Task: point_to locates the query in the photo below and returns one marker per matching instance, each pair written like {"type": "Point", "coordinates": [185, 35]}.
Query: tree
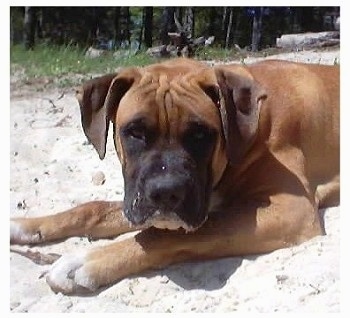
{"type": "Point", "coordinates": [29, 24]}
{"type": "Point", "coordinates": [124, 26]}
{"type": "Point", "coordinates": [148, 23]}
{"type": "Point", "coordinates": [212, 20]}
{"type": "Point", "coordinates": [121, 27]}
{"type": "Point", "coordinates": [93, 26]}
{"type": "Point", "coordinates": [188, 22]}
{"type": "Point", "coordinates": [167, 24]}
{"type": "Point", "coordinates": [117, 36]}
{"type": "Point", "coordinates": [237, 28]}
{"type": "Point", "coordinates": [257, 28]}
{"type": "Point", "coordinates": [229, 26]}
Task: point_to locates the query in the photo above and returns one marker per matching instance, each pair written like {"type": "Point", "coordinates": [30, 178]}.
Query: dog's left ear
{"type": "Point", "coordinates": [239, 98]}
{"type": "Point", "coordinates": [99, 99]}
{"type": "Point", "coordinates": [240, 102]}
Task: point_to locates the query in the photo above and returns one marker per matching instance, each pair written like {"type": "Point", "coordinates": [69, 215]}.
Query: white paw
{"type": "Point", "coordinates": [18, 235]}
{"type": "Point", "coordinates": [69, 276]}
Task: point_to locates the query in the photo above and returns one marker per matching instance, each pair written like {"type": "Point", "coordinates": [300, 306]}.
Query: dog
{"type": "Point", "coordinates": [217, 162]}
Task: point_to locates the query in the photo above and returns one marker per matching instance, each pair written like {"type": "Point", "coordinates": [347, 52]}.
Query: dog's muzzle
{"type": "Point", "coordinates": [163, 203]}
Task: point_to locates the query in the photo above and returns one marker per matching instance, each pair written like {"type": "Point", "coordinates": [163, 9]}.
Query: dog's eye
{"type": "Point", "coordinates": [198, 133]}
{"type": "Point", "coordinates": [137, 137]}
{"type": "Point", "coordinates": [137, 132]}
{"type": "Point", "coordinates": [199, 139]}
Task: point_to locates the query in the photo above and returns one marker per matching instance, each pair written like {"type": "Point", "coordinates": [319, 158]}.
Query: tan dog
{"type": "Point", "coordinates": [232, 159]}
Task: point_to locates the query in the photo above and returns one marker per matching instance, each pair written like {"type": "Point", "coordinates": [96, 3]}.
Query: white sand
{"type": "Point", "coordinates": [52, 169]}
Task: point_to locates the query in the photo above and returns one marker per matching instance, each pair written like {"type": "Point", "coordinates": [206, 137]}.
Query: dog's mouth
{"type": "Point", "coordinates": [172, 199]}
{"type": "Point", "coordinates": [170, 221]}
{"type": "Point", "coordinates": [162, 220]}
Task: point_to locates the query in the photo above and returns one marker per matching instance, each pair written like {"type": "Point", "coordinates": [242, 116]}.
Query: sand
{"type": "Point", "coordinates": [52, 169]}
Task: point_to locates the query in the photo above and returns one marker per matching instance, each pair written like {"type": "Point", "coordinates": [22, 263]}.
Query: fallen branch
{"type": "Point", "coordinates": [37, 257]}
{"type": "Point", "coordinates": [308, 40]}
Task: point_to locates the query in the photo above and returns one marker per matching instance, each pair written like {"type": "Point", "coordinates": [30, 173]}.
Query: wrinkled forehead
{"type": "Point", "coordinates": [176, 94]}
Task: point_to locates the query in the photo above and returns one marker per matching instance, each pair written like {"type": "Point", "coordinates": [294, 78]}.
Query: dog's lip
{"type": "Point", "coordinates": [167, 220]}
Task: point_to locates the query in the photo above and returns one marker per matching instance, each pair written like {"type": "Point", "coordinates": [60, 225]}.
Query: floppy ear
{"type": "Point", "coordinates": [91, 97]}
{"type": "Point", "coordinates": [240, 101]}
{"type": "Point", "coordinates": [99, 99]}
{"type": "Point", "coordinates": [238, 98]}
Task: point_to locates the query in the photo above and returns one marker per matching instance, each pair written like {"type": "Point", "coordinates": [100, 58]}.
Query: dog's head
{"type": "Point", "coordinates": [176, 127]}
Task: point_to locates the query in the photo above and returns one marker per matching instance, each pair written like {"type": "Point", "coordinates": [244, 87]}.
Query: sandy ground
{"type": "Point", "coordinates": [51, 170]}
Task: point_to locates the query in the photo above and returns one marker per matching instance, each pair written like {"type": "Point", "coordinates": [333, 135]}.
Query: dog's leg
{"type": "Point", "coordinates": [235, 232]}
{"type": "Point", "coordinates": [97, 219]}
{"type": "Point", "coordinates": [328, 194]}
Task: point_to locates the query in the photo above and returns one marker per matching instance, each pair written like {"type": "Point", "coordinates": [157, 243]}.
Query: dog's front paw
{"type": "Point", "coordinates": [69, 275]}
{"type": "Point", "coordinates": [24, 231]}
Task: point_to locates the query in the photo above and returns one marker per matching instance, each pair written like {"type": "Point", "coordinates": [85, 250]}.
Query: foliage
{"type": "Point", "coordinates": [83, 25]}
{"type": "Point", "coordinates": [63, 34]}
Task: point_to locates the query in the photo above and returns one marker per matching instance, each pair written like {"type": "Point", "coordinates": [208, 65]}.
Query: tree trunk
{"type": "Point", "coordinates": [211, 25]}
{"type": "Point", "coordinates": [229, 26]}
{"type": "Point", "coordinates": [148, 26]}
{"type": "Point", "coordinates": [167, 22]}
{"type": "Point", "coordinates": [39, 23]}
{"type": "Point", "coordinates": [117, 38]}
{"type": "Point", "coordinates": [141, 30]}
{"type": "Point", "coordinates": [29, 27]}
{"type": "Point", "coordinates": [223, 21]}
{"type": "Point", "coordinates": [126, 29]}
{"type": "Point", "coordinates": [257, 29]}
{"type": "Point", "coordinates": [93, 27]}
{"type": "Point", "coordinates": [179, 14]}
{"type": "Point", "coordinates": [237, 29]}
{"type": "Point", "coordinates": [121, 27]}
{"type": "Point", "coordinates": [296, 26]}
{"type": "Point", "coordinates": [188, 22]}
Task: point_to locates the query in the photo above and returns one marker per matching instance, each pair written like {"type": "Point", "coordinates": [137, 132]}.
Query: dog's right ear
{"type": "Point", "coordinates": [99, 99]}
{"type": "Point", "coordinates": [91, 97]}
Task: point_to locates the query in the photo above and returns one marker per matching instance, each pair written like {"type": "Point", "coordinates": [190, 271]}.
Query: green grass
{"type": "Point", "coordinates": [60, 62]}
{"type": "Point", "coordinates": [214, 53]}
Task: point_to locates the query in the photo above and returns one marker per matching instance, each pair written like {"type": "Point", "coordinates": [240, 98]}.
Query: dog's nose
{"type": "Point", "coordinates": [166, 191]}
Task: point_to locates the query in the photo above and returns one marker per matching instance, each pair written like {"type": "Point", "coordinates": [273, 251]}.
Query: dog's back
{"type": "Point", "coordinates": [305, 111]}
